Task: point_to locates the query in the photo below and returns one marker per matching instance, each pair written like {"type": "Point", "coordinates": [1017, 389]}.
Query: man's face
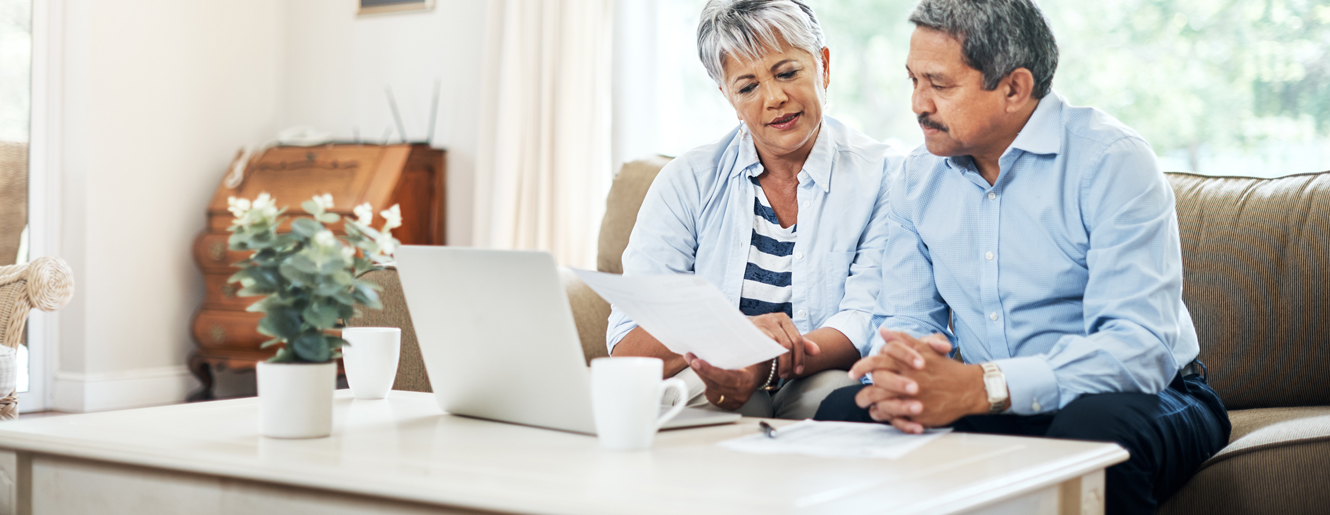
{"type": "Point", "coordinates": [957, 116]}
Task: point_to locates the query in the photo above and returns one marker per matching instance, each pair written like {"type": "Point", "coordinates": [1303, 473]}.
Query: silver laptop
{"type": "Point", "coordinates": [498, 339]}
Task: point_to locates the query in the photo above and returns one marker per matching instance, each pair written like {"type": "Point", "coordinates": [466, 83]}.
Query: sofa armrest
{"type": "Point", "coordinates": [590, 312]}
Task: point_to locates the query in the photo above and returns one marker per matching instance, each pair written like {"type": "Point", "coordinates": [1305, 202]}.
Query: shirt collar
{"type": "Point", "coordinates": [818, 164]}
{"type": "Point", "coordinates": [1042, 133]}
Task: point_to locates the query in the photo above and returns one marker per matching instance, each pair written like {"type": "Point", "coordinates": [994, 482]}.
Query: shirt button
{"type": "Point", "coordinates": [807, 203]}
{"type": "Point", "coordinates": [988, 256]}
{"type": "Point", "coordinates": [798, 255]}
{"type": "Point", "coordinates": [801, 314]}
{"type": "Point", "coordinates": [1035, 406]}
{"type": "Point", "coordinates": [993, 316]}
{"type": "Point", "coordinates": [992, 195]}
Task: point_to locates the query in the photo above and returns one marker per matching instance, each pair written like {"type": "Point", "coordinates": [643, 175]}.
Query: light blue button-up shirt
{"type": "Point", "coordinates": [1066, 272]}
{"type": "Point", "coordinates": [698, 218]}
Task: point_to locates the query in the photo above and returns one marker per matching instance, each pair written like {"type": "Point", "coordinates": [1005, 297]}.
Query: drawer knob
{"type": "Point", "coordinates": [217, 251]}
{"type": "Point", "coordinates": [218, 334]}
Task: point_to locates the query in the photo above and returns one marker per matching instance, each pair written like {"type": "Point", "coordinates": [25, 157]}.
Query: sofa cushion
{"type": "Point", "coordinates": [1256, 260]}
{"type": "Point", "coordinates": [621, 205]}
{"type": "Point", "coordinates": [590, 312]}
{"type": "Point", "coordinates": [1275, 463]}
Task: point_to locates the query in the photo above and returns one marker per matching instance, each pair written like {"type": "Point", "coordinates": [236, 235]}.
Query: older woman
{"type": "Point", "coordinates": [784, 214]}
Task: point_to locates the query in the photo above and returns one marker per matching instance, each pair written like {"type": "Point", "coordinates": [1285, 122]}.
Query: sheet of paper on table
{"type": "Point", "coordinates": [835, 440]}
{"type": "Point", "coordinates": [687, 314]}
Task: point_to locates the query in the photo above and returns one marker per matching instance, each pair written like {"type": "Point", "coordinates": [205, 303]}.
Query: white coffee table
{"type": "Point", "coordinates": [403, 455]}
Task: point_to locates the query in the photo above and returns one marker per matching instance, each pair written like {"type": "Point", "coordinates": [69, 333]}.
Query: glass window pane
{"type": "Point", "coordinates": [15, 109]}
{"type": "Point", "coordinates": [1216, 86]}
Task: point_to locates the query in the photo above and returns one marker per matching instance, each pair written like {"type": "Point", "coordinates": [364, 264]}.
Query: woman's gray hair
{"type": "Point", "coordinates": [997, 37]}
{"type": "Point", "coordinates": [746, 29]}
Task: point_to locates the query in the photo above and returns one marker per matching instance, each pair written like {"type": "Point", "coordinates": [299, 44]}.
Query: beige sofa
{"type": "Point", "coordinates": [1256, 255]}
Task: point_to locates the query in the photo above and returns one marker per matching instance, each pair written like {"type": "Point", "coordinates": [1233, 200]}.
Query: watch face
{"type": "Point", "coordinates": [995, 388]}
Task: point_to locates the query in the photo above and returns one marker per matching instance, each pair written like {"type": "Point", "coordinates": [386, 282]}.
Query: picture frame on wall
{"type": "Point", "coordinates": [392, 6]}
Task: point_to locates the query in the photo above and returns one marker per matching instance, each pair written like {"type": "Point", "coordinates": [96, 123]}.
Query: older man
{"type": "Point", "coordinates": [1045, 237]}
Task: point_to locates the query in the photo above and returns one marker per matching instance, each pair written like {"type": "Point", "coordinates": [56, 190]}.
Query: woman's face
{"type": "Point", "coordinates": [777, 97]}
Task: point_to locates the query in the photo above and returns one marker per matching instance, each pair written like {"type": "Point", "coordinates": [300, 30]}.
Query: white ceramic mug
{"type": "Point", "coordinates": [626, 397]}
{"type": "Point", "coordinates": [371, 359]}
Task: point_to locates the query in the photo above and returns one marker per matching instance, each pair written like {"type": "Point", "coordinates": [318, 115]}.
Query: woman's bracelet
{"type": "Point", "coordinates": [771, 376]}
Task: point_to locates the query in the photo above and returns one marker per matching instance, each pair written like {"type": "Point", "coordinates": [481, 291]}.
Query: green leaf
{"type": "Point", "coordinates": [320, 315]}
{"type": "Point", "coordinates": [281, 323]}
{"type": "Point", "coordinates": [298, 278]}
{"type": "Point", "coordinates": [337, 343]}
{"type": "Point", "coordinates": [343, 278]}
{"type": "Point", "coordinates": [258, 307]}
{"type": "Point", "coordinates": [370, 297]}
{"type": "Point", "coordinates": [312, 347]}
{"type": "Point", "coordinates": [344, 297]}
{"type": "Point", "coordinates": [329, 218]}
{"type": "Point", "coordinates": [303, 263]}
{"type": "Point", "coordinates": [270, 343]}
{"type": "Point", "coordinates": [311, 207]}
{"type": "Point", "coordinates": [284, 355]}
{"type": "Point", "coordinates": [306, 227]}
{"type": "Point", "coordinates": [346, 312]}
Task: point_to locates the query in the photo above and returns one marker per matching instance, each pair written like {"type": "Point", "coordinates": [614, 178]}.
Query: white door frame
{"type": "Point", "coordinates": [44, 173]}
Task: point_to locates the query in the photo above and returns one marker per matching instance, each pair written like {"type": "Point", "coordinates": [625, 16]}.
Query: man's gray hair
{"type": "Point", "coordinates": [746, 29]}
{"type": "Point", "coordinates": [997, 37]}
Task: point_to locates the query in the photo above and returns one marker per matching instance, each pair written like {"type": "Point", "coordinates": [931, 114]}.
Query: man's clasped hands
{"type": "Point", "coordinates": [916, 385]}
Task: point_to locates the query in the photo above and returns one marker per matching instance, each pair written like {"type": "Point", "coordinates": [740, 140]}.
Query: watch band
{"type": "Point", "coordinates": [770, 377]}
{"type": "Point", "coordinates": [995, 383]}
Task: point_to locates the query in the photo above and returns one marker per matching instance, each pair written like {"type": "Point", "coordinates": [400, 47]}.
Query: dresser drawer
{"type": "Point", "coordinates": [213, 254]}
{"type": "Point", "coordinates": [228, 329]}
{"type": "Point", "coordinates": [221, 295]}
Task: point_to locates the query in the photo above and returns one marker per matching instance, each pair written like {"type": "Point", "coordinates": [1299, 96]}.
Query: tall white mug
{"type": "Point", "coordinates": [371, 359]}
{"type": "Point", "coordinates": [626, 395]}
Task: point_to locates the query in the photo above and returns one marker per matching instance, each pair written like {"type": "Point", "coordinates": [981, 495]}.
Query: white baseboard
{"type": "Point", "coordinates": [104, 391]}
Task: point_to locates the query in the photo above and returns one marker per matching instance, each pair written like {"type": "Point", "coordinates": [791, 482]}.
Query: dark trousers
{"type": "Point", "coordinates": [1169, 434]}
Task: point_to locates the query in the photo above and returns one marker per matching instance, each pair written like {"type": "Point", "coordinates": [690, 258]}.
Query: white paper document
{"type": "Point", "coordinates": [835, 440]}
{"type": "Point", "coordinates": [687, 314]}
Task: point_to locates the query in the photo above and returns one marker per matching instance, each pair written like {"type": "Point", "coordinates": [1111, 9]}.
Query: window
{"type": "Point", "coordinates": [1220, 87]}
{"type": "Point", "coordinates": [15, 109]}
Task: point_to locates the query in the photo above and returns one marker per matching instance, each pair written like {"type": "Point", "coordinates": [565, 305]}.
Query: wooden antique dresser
{"type": "Point", "coordinates": [225, 335]}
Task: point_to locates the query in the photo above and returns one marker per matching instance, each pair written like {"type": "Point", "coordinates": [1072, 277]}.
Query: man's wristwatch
{"type": "Point", "coordinates": [996, 384]}
{"type": "Point", "coordinates": [769, 386]}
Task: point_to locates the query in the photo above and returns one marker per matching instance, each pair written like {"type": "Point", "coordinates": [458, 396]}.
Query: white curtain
{"type": "Point", "coordinates": [544, 149]}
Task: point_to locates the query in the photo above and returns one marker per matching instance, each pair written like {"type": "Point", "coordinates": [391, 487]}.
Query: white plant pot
{"type": "Point", "coordinates": [295, 399]}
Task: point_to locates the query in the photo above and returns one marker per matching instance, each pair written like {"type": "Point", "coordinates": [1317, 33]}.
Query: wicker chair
{"type": "Point", "coordinates": [46, 284]}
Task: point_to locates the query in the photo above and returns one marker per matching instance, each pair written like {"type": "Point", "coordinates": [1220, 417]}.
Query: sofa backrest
{"type": "Point", "coordinates": [621, 205]}
{"type": "Point", "coordinates": [1256, 278]}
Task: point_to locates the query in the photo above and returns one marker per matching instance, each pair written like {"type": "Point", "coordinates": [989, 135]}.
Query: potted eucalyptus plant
{"type": "Point", "coordinates": [307, 277]}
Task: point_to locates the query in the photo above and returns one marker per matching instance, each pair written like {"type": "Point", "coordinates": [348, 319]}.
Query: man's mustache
{"type": "Point", "coordinates": [926, 122]}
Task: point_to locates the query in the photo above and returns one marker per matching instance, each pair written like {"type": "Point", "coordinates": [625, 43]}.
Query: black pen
{"type": "Point", "coordinates": [767, 429]}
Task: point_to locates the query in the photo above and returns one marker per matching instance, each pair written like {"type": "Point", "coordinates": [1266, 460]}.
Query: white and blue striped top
{"type": "Point", "coordinates": [766, 286]}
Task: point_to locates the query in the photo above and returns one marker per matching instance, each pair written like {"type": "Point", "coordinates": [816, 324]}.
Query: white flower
{"type": "Point", "coordinates": [325, 239]}
{"type": "Point", "coordinates": [237, 206]}
{"type": "Point", "coordinates": [324, 201]}
{"type": "Point", "coordinates": [265, 204]}
{"type": "Point", "coordinates": [364, 214]}
{"type": "Point", "coordinates": [393, 215]}
{"type": "Point", "coordinates": [385, 243]}
{"type": "Point", "coordinates": [348, 254]}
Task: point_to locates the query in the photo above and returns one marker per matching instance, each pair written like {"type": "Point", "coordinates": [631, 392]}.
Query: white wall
{"type": "Point", "coordinates": [336, 66]}
{"type": "Point", "coordinates": [152, 99]}
{"type": "Point", "coordinates": [157, 95]}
